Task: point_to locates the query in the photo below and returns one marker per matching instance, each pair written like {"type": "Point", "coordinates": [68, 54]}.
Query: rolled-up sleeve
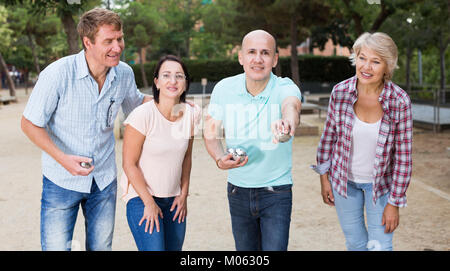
{"type": "Point", "coordinates": [327, 140]}
{"type": "Point", "coordinates": [402, 157]}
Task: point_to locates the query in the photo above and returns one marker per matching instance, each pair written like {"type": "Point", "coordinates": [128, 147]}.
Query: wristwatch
{"type": "Point", "coordinates": [217, 162]}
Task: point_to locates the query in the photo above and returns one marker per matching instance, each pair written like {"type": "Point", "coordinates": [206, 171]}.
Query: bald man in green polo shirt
{"type": "Point", "coordinates": [254, 108]}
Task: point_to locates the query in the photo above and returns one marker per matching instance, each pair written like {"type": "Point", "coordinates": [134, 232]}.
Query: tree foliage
{"type": "Point", "coordinates": [37, 32]}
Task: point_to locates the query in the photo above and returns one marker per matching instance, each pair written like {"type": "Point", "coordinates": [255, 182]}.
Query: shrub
{"type": "Point", "coordinates": [329, 69]}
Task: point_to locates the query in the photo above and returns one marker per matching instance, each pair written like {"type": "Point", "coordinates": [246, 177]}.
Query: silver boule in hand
{"type": "Point", "coordinates": [238, 154]}
{"type": "Point", "coordinates": [282, 137]}
{"type": "Point", "coordinates": [85, 164]}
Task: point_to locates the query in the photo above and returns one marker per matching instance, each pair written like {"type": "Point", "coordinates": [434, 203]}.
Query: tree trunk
{"type": "Point", "coordinates": [294, 55]}
{"type": "Point", "coordinates": [33, 52]}
{"type": "Point", "coordinates": [71, 31]}
{"type": "Point", "coordinates": [278, 68]}
{"type": "Point", "coordinates": [141, 60]}
{"type": "Point", "coordinates": [442, 48]}
{"type": "Point", "coordinates": [12, 88]}
{"type": "Point", "coordinates": [357, 18]}
{"type": "Point", "coordinates": [188, 46]}
{"type": "Point", "coordinates": [408, 68]}
{"type": "Point", "coordinates": [382, 16]}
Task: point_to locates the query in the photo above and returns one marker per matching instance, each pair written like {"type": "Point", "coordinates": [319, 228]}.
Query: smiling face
{"type": "Point", "coordinates": [171, 80]}
{"type": "Point", "coordinates": [370, 67]}
{"type": "Point", "coordinates": [107, 47]}
{"type": "Point", "coordinates": [258, 55]}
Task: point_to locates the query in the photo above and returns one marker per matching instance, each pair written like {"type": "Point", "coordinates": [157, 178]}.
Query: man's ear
{"type": "Point", "coordinates": [240, 57]}
{"type": "Point", "coordinates": [275, 61]}
{"type": "Point", "coordinates": [87, 42]}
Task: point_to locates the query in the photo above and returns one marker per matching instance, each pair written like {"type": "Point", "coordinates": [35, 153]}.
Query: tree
{"type": "Point", "coordinates": [297, 17]}
{"type": "Point", "coordinates": [217, 36]}
{"type": "Point", "coordinates": [66, 10]}
{"type": "Point", "coordinates": [410, 31]}
{"type": "Point", "coordinates": [287, 20]}
{"type": "Point", "coordinates": [366, 16]}
{"type": "Point", "coordinates": [5, 41]}
{"type": "Point", "coordinates": [180, 18]}
{"type": "Point", "coordinates": [35, 28]}
{"type": "Point", "coordinates": [141, 25]}
{"type": "Point", "coordinates": [437, 12]}
{"type": "Point", "coordinates": [423, 26]}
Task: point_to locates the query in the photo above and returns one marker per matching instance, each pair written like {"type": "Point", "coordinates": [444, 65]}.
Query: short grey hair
{"type": "Point", "coordinates": [383, 45]}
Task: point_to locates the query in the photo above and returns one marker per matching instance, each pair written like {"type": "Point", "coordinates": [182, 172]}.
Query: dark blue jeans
{"type": "Point", "coordinates": [171, 233]}
{"type": "Point", "coordinates": [260, 217]}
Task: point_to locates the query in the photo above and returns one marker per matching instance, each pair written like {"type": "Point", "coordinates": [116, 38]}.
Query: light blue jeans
{"type": "Point", "coordinates": [350, 213]}
{"type": "Point", "coordinates": [59, 210]}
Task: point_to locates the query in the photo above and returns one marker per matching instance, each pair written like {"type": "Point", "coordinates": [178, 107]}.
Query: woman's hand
{"type": "Point", "coordinates": [180, 203]}
{"type": "Point", "coordinates": [151, 213]}
{"type": "Point", "coordinates": [326, 190]}
{"type": "Point", "coordinates": [391, 218]}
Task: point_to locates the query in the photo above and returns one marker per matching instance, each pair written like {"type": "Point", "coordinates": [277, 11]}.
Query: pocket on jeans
{"type": "Point", "coordinates": [287, 188]}
{"type": "Point", "coordinates": [232, 189]}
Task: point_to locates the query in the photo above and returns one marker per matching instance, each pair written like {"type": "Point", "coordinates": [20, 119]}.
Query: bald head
{"type": "Point", "coordinates": [260, 35]}
{"type": "Point", "coordinates": [258, 56]}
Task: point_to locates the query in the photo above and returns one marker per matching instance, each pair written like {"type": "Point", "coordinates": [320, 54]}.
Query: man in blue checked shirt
{"type": "Point", "coordinates": [70, 116]}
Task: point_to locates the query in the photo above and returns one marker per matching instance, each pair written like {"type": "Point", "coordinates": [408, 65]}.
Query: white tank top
{"type": "Point", "coordinates": [364, 145]}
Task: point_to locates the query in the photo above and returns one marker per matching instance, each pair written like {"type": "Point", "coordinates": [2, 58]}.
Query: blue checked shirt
{"type": "Point", "coordinates": [80, 120]}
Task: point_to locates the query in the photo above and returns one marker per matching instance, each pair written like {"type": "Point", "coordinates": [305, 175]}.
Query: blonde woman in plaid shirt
{"type": "Point", "coordinates": [364, 154]}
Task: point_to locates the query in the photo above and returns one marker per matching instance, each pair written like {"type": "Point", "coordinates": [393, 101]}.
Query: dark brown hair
{"type": "Point", "coordinates": [156, 74]}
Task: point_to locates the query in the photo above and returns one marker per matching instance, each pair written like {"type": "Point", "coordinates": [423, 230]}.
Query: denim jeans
{"type": "Point", "coordinates": [171, 233]}
{"type": "Point", "coordinates": [59, 210]}
{"type": "Point", "coordinates": [350, 213]}
{"type": "Point", "coordinates": [260, 217]}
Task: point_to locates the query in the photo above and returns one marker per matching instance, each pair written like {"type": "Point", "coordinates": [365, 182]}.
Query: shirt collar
{"type": "Point", "coordinates": [384, 95]}
{"type": "Point", "coordinates": [81, 64]}
{"type": "Point", "coordinates": [83, 69]}
{"type": "Point", "coordinates": [264, 94]}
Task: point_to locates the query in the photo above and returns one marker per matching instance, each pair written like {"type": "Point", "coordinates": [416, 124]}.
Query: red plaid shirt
{"type": "Point", "coordinates": [393, 163]}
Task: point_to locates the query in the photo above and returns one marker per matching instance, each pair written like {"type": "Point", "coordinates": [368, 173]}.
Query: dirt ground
{"type": "Point", "coordinates": [424, 224]}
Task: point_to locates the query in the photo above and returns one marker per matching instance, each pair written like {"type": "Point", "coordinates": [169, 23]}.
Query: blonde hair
{"type": "Point", "coordinates": [383, 45]}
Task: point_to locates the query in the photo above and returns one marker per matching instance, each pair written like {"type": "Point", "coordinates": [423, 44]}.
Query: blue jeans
{"type": "Point", "coordinates": [171, 233]}
{"type": "Point", "coordinates": [59, 210]}
{"type": "Point", "coordinates": [350, 213]}
{"type": "Point", "coordinates": [260, 217]}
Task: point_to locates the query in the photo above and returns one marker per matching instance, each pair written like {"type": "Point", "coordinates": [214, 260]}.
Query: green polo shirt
{"type": "Point", "coordinates": [247, 120]}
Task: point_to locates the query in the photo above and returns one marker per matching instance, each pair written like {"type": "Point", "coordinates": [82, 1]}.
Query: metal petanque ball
{"type": "Point", "coordinates": [238, 153]}
{"type": "Point", "coordinates": [85, 164]}
{"type": "Point", "coordinates": [282, 137]}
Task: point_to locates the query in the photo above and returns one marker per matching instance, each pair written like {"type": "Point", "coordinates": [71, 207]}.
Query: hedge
{"type": "Point", "coordinates": [311, 69]}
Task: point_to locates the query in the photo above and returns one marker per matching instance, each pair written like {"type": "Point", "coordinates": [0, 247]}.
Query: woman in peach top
{"type": "Point", "coordinates": [157, 157]}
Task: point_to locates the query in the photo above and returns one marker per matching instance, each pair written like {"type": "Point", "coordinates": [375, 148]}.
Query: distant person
{"type": "Point", "coordinates": [364, 155]}
{"type": "Point", "coordinates": [157, 159]}
{"type": "Point", "coordinates": [3, 80]}
{"type": "Point", "coordinates": [70, 116]}
{"type": "Point", "coordinates": [254, 108]}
